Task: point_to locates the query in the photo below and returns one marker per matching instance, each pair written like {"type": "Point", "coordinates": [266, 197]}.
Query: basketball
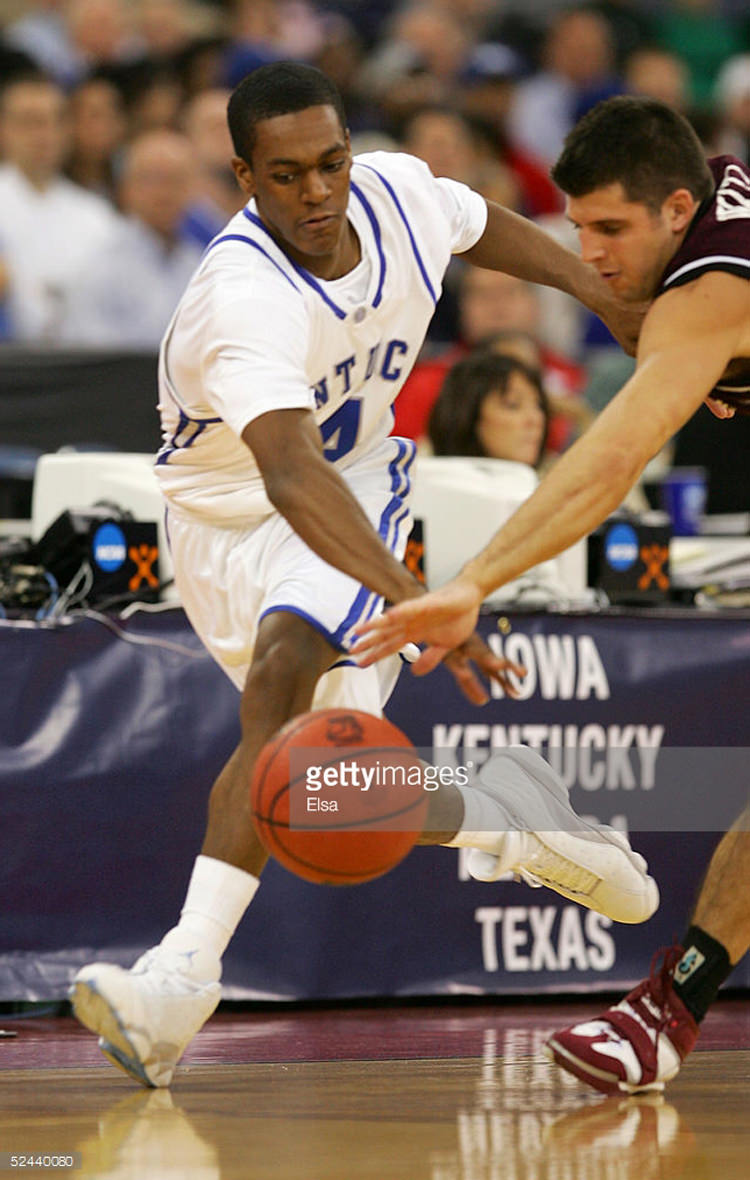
{"type": "Point", "coordinates": [338, 796]}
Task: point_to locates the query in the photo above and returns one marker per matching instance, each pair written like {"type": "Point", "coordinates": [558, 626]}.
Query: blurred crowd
{"type": "Point", "coordinates": [115, 156]}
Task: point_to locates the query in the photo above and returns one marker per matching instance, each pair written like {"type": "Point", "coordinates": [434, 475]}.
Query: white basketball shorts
{"type": "Point", "coordinates": [230, 578]}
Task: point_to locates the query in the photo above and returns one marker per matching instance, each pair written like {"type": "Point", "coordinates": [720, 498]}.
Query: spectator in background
{"type": "Point", "coordinates": [50, 227]}
{"type": "Point", "coordinates": [657, 73]}
{"type": "Point", "coordinates": [451, 146]}
{"type": "Point", "coordinates": [42, 34]}
{"type": "Point", "coordinates": [127, 294]}
{"type": "Point", "coordinates": [82, 35]}
{"type": "Point", "coordinates": [733, 107]}
{"type": "Point", "coordinates": [487, 431]}
{"type": "Point", "coordinates": [447, 143]}
{"type": "Point", "coordinates": [491, 406]}
{"type": "Point", "coordinates": [98, 127]}
{"type": "Point", "coordinates": [631, 26]}
{"type": "Point", "coordinates": [341, 58]}
{"type": "Point", "coordinates": [485, 95]}
{"type": "Point", "coordinates": [262, 31]}
{"type": "Point", "coordinates": [700, 34]}
{"type": "Point", "coordinates": [216, 194]}
{"type": "Point", "coordinates": [153, 94]}
{"type": "Point", "coordinates": [487, 309]}
{"type": "Point", "coordinates": [418, 61]}
{"type": "Point", "coordinates": [166, 27]}
{"type": "Point", "coordinates": [579, 70]}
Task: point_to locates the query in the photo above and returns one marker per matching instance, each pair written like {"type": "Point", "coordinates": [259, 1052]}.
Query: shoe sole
{"type": "Point", "coordinates": [97, 1014]}
{"type": "Point", "coordinates": [599, 1079]}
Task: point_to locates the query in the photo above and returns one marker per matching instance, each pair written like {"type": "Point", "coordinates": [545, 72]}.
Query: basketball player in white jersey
{"type": "Point", "coordinates": [287, 512]}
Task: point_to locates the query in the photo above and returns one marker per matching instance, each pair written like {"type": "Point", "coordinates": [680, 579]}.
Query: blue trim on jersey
{"type": "Point", "coordinates": [183, 422]}
{"type": "Point", "coordinates": [300, 270]}
{"type": "Point", "coordinates": [387, 530]}
{"type": "Point", "coordinates": [376, 234]}
{"type": "Point", "coordinates": [389, 189]}
{"type": "Point", "coordinates": [257, 245]}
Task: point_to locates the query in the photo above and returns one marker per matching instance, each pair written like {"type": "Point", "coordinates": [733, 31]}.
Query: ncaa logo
{"type": "Point", "coordinates": [621, 546]}
{"type": "Point", "coordinates": [109, 547]}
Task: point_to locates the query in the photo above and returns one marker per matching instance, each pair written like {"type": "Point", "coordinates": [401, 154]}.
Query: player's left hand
{"type": "Point", "coordinates": [445, 617]}
{"type": "Point", "coordinates": [465, 662]}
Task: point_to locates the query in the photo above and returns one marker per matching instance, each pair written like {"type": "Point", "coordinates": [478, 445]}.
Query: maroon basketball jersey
{"type": "Point", "coordinates": [719, 239]}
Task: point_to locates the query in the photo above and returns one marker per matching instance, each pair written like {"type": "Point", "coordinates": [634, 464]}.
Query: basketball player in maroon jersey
{"type": "Point", "coordinates": [658, 222]}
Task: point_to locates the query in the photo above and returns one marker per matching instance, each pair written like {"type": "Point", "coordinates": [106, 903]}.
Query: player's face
{"type": "Point", "coordinates": [300, 179]}
{"type": "Point", "coordinates": [511, 423]}
{"type": "Point", "coordinates": [628, 242]}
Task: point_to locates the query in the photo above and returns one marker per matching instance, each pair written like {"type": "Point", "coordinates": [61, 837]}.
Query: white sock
{"type": "Point", "coordinates": [483, 824]}
{"type": "Point", "coordinates": [217, 897]}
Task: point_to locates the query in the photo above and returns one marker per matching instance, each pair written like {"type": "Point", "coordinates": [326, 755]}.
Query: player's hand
{"type": "Point", "coordinates": [444, 617]}
{"type": "Point", "coordinates": [465, 662]}
{"type": "Point", "coordinates": [718, 408]}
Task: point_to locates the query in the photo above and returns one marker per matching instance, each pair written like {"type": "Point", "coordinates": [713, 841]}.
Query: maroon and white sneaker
{"type": "Point", "coordinates": [639, 1044]}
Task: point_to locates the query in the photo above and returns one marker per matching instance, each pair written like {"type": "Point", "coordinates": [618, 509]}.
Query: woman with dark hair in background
{"type": "Point", "coordinates": [491, 406]}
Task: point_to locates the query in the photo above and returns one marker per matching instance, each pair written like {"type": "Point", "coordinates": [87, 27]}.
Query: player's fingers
{"type": "Point", "coordinates": [429, 660]}
{"type": "Point", "coordinates": [494, 667]}
{"type": "Point", "coordinates": [499, 673]}
{"type": "Point", "coordinates": [467, 679]}
{"type": "Point", "coordinates": [377, 644]}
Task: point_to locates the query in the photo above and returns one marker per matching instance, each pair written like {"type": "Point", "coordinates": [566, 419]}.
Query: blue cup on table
{"type": "Point", "coordinates": [683, 497]}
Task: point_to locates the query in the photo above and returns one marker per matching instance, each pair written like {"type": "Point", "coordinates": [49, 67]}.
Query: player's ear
{"type": "Point", "coordinates": [244, 174]}
{"type": "Point", "coordinates": [680, 207]}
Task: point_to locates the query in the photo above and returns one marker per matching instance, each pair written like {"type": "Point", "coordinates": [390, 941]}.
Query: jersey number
{"type": "Point", "coordinates": [339, 432]}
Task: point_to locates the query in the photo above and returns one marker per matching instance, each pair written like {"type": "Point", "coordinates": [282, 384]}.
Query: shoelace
{"type": "Point", "coordinates": [657, 987]}
{"type": "Point", "coordinates": [545, 866]}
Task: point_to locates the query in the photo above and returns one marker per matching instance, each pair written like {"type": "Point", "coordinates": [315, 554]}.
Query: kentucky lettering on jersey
{"type": "Point", "coordinates": [256, 332]}
{"type": "Point", "coordinates": [719, 239]}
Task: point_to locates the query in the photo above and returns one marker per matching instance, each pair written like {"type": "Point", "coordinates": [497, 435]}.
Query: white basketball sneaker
{"type": "Point", "coordinates": [544, 842]}
{"type": "Point", "coordinates": [145, 1017]}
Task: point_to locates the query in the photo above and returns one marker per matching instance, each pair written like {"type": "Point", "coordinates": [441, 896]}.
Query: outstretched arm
{"type": "Point", "coordinates": [687, 340]}
{"type": "Point", "coordinates": [517, 246]}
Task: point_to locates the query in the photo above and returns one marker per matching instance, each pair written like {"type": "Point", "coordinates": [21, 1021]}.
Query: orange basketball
{"type": "Point", "coordinates": [338, 796]}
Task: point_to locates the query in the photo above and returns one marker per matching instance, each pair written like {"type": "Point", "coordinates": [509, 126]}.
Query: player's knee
{"type": "Point", "coordinates": [281, 680]}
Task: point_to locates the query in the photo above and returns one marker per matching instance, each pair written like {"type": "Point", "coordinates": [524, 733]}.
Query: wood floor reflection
{"type": "Point", "coordinates": [439, 1093]}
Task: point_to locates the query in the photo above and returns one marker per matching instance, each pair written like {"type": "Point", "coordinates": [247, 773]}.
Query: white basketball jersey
{"type": "Point", "coordinates": [256, 332]}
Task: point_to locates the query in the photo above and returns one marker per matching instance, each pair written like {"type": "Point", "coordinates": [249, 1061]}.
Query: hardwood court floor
{"type": "Point", "coordinates": [384, 1093]}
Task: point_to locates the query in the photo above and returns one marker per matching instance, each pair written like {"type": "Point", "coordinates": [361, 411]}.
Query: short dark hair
{"type": "Point", "coordinates": [640, 142]}
{"type": "Point", "coordinates": [280, 88]}
{"type": "Point", "coordinates": [452, 425]}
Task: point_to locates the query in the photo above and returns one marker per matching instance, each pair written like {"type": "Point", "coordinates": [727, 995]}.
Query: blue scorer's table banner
{"type": "Point", "coordinates": [112, 730]}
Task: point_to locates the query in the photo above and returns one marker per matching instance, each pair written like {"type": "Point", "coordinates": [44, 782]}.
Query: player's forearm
{"type": "Point", "coordinates": [571, 501]}
{"type": "Point", "coordinates": [323, 512]}
{"type": "Point", "coordinates": [514, 244]}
